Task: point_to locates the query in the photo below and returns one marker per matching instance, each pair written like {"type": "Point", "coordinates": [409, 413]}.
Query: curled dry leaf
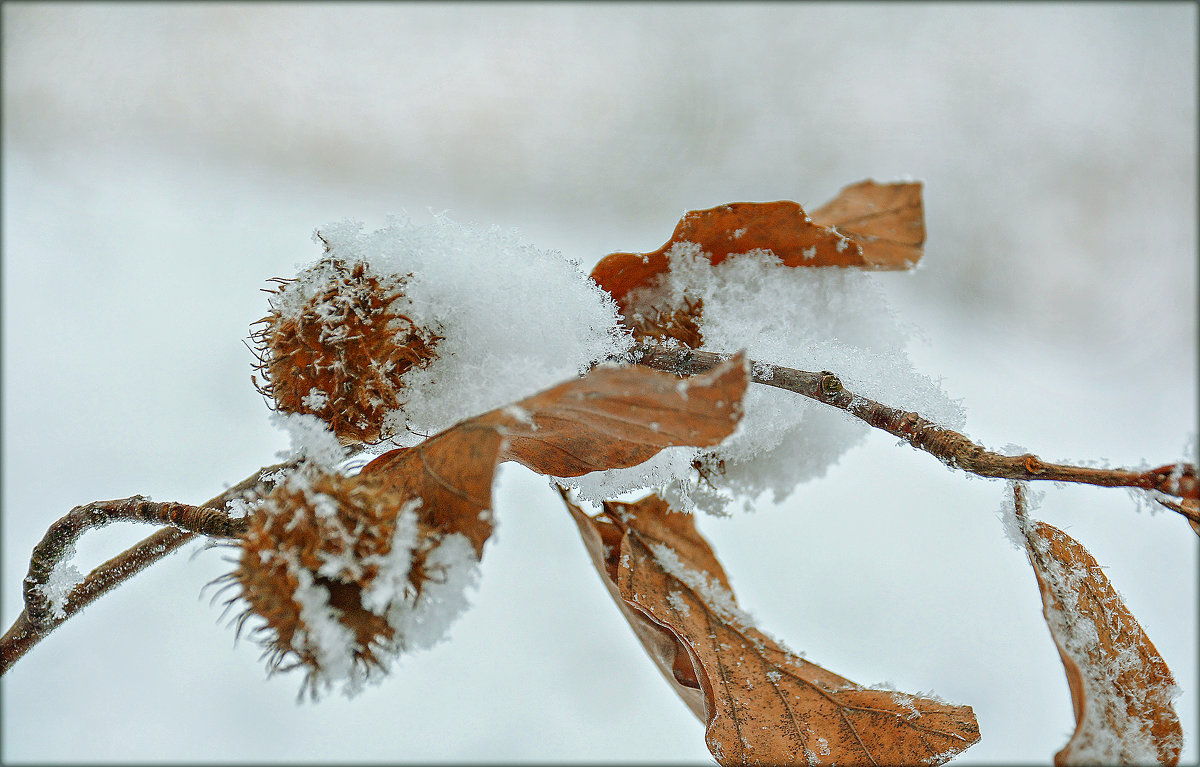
{"type": "Point", "coordinates": [614, 417]}
{"type": "Point", "coordinates": [761, 703]}
{"type": "Point", "coordinates": [868, 225]}
{"type": "Point", "coordinates": [1121, 687]}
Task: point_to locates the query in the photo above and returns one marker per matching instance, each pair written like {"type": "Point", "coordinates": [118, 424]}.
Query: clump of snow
{"type": "Point", "coordinates": [311, 439]}
{"type": "Point", "coordinates": [321, 633]}
{"type": "Point", "coordinates": [662, 468]}
{"type": "Point", "coordinates": [678, 603]}
{"type": "Point", "coordinates": [394, 567]}
{"type": "Point", "coordinates": [63, 579]}
{"type": "Point", "coordinates": [1012, 524]}
{"type": "Point", "coordinates": [806, 318]}
{"type": "Point", "coordinates": [421, 618]}
{"type": "Point", "coordinates": [513, 319]}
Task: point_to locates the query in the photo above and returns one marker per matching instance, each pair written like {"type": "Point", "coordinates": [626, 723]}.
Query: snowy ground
{"type": "Point", "coordinates": [161, 162]}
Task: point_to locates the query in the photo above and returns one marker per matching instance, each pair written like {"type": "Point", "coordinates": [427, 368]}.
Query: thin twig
{"type": "Point", "coordinates": [952, 448]}
{"type": "Point", "coordinates": [59, 541]}
{"type": "Point", "coordinates": [35, 622]}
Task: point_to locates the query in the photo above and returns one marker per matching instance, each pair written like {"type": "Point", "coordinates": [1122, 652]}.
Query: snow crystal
{"type": "Point", "coordinates": [240, 508]}
{"type": "Point", "coordinates": [764, 370]}
{"type": "Point", "coordinates": [392, 578]}
{"type": "Point", "coordinates": [315, 400]}
{"type": "Point", "coordinates": [678, 603]}
{"type": "Point", "coordinates": [63, 579]}
{"type": "Point", "coordinates": [320, 632]}
{"type": "Point", "coordinates": [311, 439]}
{"type": "Point", "coordinates": [421, 620]}
{"type": "Point", "coordinates": [513, 319]}
{"type": "Point", "coordinates": [520, 415]}
{"type": "Point", "coordinates": [905, 701]}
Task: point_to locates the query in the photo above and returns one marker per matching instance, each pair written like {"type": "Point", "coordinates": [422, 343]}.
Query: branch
{"type": "Point", "coordinates": [59, 541]}
{"type": "Point", "coordinates": [38, 619]}
{"type": "Point", "coordinates": [950, 447]}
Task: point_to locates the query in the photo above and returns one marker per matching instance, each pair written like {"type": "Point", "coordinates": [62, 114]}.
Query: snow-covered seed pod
{"type": "Point", "coordinates": [343, 575]}
{"type": "Point", "coordinates": [336, 345]}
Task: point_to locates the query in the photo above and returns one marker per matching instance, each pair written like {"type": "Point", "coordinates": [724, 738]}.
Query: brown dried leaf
{"type": "Point", "coordinates": [1121, 687]}
{"type": "Point", "coordinates": [620, 417]}
{"type": "Point", "coordinates": [452, 474]}
{"type": "Point", "coordinates": [614, 417]}
{"type": "Point", "coordinates": [887, 221]}
{"type": "Point", "coordinates": [761, 703]}
{"type": "Point", "coordinates": [868, 225]}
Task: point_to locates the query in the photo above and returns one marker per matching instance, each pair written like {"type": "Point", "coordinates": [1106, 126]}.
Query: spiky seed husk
{"type": "Point", "coordinates": [336, 345]}
{"type": "Point", "coordinates": [329, 540]}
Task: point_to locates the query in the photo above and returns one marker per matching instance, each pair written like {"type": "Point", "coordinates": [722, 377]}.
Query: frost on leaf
{"type": "Point", "coordinates": [1121, 688]}
{"type": "Point", "coordinates": [868, 225]}
{"type": "Point", "coordinates": [761, 703]}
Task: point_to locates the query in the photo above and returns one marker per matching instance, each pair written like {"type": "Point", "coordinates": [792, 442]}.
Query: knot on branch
{"type": "Point", "coordinates": [1177, 479]}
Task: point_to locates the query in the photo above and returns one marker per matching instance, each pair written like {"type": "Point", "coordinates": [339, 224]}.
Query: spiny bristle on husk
{"type": "Point", "coordinates": [336, 345]}
{"type": "Point", "coordinates": [680, 323]}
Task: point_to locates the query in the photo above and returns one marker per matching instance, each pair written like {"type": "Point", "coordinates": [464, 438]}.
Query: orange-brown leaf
{"type": "Point", "coordinates": [762, 704]}
{"type": "Point", "coordinates": [614, 417]}
{"type": "Point", "coordinates": [887, 221]}
{"type": "Point", "coordinates": [452, 474]}
{"type": "Point", "coordinates": [868, 225]}
{"type": "Point", "coordinates": [620, 417]}
{"type": "Point", "coordinates": [1121, 687]}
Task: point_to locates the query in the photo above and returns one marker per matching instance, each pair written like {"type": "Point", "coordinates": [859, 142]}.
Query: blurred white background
{"type": "Point", "coordinates": [161, 161]}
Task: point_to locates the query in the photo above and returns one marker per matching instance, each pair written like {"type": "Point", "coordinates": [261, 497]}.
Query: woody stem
{"type": "Point", "coordinates": [37, 620]}
{"type": "Point", "coordinates": [950, 447]}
